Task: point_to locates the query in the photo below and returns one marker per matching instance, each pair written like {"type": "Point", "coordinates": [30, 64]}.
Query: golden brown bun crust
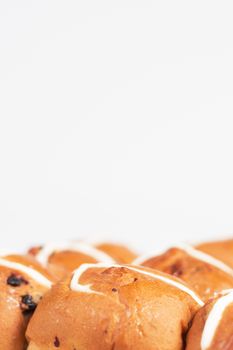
{"type": "Point", "coordinates": [34, 250]}
{"type": "Point", "coordinates": [134, 312]}
{"type": "Point", "coordinates": [204, 278]}
{"type": "Point", "coordinates": [62, 263]}
{"type": "Point", "coordinates": [16, 302]}
{"type": "Point", "coordinates": [222, 250]}
{"type": "Point", "coordinates": [223, 338]}
{"type": "Point", "coordinates": [119, 253]}
{"type": "Point", "coordinates": [30, 261]}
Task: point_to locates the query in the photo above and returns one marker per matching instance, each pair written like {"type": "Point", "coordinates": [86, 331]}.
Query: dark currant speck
{"type": "Point", "coordinates": [56, 342]}
{"type": "Point", "coordinates": [114, 290]}
{"type": "Point", "coordinates": [16, 281]}
{"type": "Point", "coordinates": [176, 269]}
{"type": "Point", "coordinates": [27, 303]}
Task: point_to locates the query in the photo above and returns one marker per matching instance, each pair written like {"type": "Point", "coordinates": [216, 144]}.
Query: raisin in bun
{"type": "Point", "coordinates": [23, 282]}
{"type": "Point", "coordinates": [120, 307]}
{"type": "Point", "coordinates": [222, 250]}
{"type": "Point", "coordinates": [212, 327]}
{"type": "Point", "coordinates": [204, 273]}
{"type": "Point", "coordinates": [120, 253]}
{"type": "Point", "coordinates": [61, 258]}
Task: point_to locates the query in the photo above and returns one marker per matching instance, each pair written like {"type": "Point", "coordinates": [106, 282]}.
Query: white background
{"type": "Point", "coordinates": [116, 121]}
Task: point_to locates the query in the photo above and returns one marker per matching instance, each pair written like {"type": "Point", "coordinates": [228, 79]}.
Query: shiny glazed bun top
{"type": "Point", "coordinates": [212, 328]}
{"type": "Point", "coordinates": [120, 253]}
{"type": "Point", "coordinates": [61, 258]}
{"type": "Point", "coordinates": [222, 250]}
{"type": "Point", "coordinates": [204, 273]}
{"type": "Point", "coordinates": [120, 307]}
{"type": "Point", "coordinates": [23, 282]}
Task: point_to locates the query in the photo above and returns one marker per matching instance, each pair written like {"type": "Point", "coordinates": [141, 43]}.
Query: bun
{"type": "Point", "coordinates": [205, 274]}
{"type": "Point", "coordinates": [77, 296]}
{"type": "Point", "coordinates": [23, 282]}
{"type": "Point", "coordinates": [62, 258]}
{"type": "Point", "coordinates": [222, 250]}
{"type": "Point", "coordinates": [118, 252]}
{"type": "Point", "coordinates": [104, 307]}
{"type": "Point", "coordinates": [212, 327]}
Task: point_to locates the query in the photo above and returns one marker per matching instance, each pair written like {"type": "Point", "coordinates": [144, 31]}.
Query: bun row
{"type": "Point", "coordinates": [77, 296]}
